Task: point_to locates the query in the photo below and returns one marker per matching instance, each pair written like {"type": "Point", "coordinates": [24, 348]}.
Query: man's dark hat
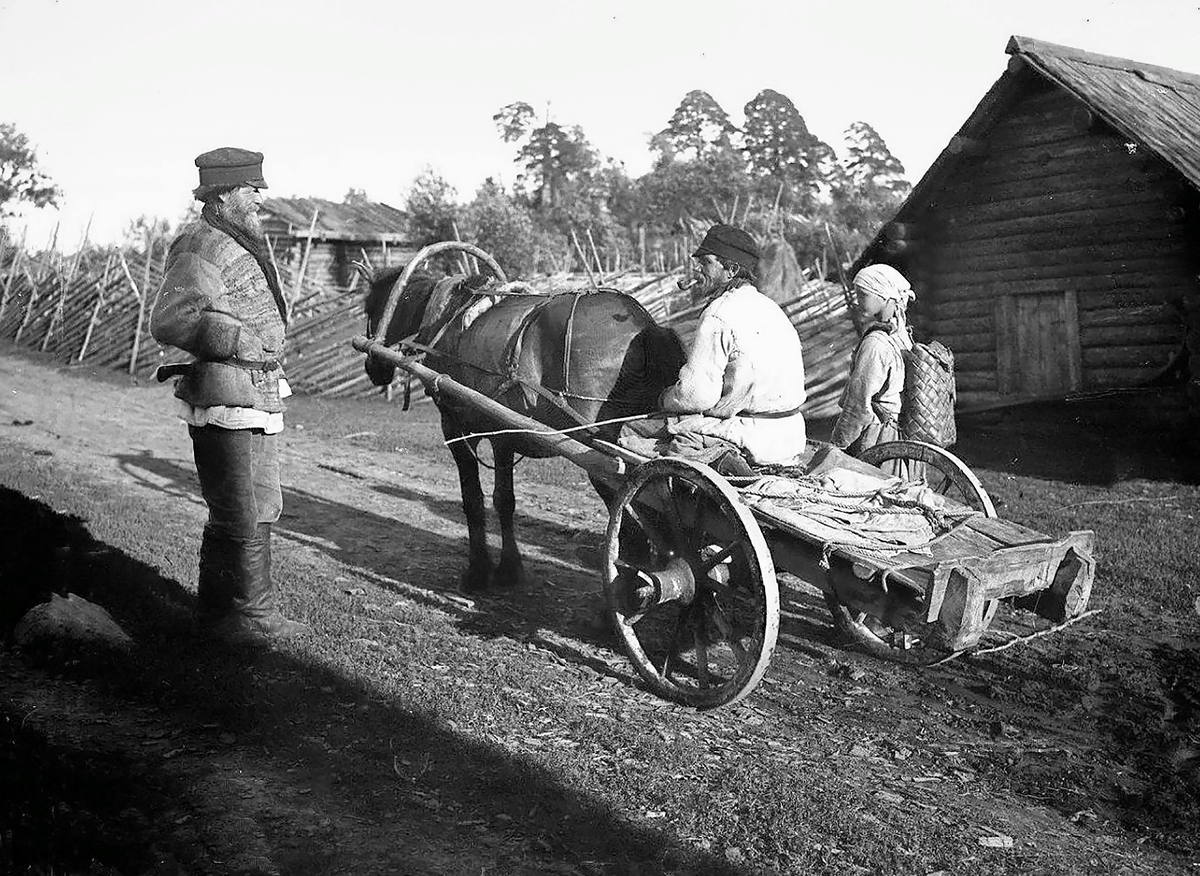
{"type": "Point", "coordinates": [730, 242]}
{"type": "Point", "coordinates": [229, 166]}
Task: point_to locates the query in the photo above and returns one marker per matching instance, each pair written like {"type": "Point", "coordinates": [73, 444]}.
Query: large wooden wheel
{"type": "Point", "coordinates": [948, 476]}
{"type": "Point", "coordinates": [419, 259]}
{"type": "Point", "coordinates": [690, 584]}
{"type": "Point", "coordinates": [939, 469]}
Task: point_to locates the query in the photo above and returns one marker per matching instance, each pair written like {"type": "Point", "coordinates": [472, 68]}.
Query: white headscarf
{"type": "Point", "coordinates": [890, 285]}
{"type": "Point", "coordinates": [886, 282]}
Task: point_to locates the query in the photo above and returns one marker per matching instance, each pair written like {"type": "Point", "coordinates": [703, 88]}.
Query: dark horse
{"type": "Point", "coordinates": [562, 359]}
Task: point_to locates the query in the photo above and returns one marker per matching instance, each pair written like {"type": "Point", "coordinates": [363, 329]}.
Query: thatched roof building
{"type": "Point", "coordinates": [1055, 242]}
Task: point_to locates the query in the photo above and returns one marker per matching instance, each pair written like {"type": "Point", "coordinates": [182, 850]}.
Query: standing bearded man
{"type": "Point", "coordinates": [221, 302]}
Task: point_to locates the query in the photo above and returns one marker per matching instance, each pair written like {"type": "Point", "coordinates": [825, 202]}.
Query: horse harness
{"type": "Point", "coordinates": [513, 350]}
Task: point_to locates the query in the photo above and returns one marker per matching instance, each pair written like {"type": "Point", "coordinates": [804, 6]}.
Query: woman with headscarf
{"type": "Point", "coordinates": [870, 402]}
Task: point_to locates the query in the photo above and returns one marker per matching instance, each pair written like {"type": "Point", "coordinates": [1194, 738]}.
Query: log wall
{"type": "Point", "coordinates": [1056, 219]}
{"type": "Point", "coordinates": [330, 262]}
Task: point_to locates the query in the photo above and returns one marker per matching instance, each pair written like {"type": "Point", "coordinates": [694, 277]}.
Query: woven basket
{"type": "Point", "coordinates": [927, 409]}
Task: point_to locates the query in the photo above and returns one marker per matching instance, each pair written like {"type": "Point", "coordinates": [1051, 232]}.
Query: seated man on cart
{"type": "Point", "coordinates": [737, 401]}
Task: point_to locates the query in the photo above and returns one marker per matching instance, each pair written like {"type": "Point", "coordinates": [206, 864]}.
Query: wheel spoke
{"type": "Point", "coordinates": [722, 623]}
{"type": "Point", "coordinates": [701, 645]}
{"type": "Point", "coordinates": [943, 484]}
{"type": "Point", "coordinates": [720, 557]}
{"type": "Point", "coordinates": [649, 530]}
{"type": "Point", "coordinates": [667, 662]}
{"type": "Point", "coordinates": [684, 530]}
{"type": "Point", "coordinates": [717, 587]}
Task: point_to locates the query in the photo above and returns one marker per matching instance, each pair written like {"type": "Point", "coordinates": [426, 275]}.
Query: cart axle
{"type": "Point", "coordinates": [646, 589]}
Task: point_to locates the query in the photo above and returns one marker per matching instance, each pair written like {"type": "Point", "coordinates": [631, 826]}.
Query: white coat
{"type": "Point", "coordinates": [744, 379]}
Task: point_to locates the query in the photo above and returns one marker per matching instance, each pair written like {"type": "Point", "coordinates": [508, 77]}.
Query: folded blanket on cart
{"type": "Point", "coordinates": [876, 515]}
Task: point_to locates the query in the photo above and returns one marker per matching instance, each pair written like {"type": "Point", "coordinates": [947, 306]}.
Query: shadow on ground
{"type": "Point", "coordinates": [74, 804]}
{"type": "Point", "coordinates": [1099, 440]}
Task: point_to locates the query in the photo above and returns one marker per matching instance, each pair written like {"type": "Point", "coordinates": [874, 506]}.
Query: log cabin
{"type": "Point", "coordinates": [1054, 243]}
{"type": "Point", "coordinates": [320, 240]}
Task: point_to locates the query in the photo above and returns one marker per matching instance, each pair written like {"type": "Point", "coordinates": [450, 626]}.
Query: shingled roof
{"type": "Point", "coordinates": [1157, 106]}
{"type": "Point", "coordinates": [361, 222]}
{"type": "Point", "coordinates": [1154, 106]}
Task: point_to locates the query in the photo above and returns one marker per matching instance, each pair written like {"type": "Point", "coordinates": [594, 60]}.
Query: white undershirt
{"type": "Point", "coordinates": [228, 417]}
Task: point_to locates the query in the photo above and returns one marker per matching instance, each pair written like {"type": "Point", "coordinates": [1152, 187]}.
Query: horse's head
{"type": "Point", "coordinates": [405, 319]}
{"type": "Point", "coordinates": [650, 364]}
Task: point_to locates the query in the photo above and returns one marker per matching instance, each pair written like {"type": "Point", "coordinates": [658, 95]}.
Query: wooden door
{"type": "Point", "coordinates": [1037, 345]}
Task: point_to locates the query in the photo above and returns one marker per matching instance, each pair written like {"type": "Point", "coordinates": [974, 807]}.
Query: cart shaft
{"type": "Point", "coordinates": [593, 461]}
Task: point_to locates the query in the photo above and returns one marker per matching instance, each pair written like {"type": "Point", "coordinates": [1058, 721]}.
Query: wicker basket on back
{"type": "Point", "coordinates": [927, 406]}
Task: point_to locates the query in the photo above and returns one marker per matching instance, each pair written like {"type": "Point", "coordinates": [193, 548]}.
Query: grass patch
{"type": "Point", "coordinates": [411, 715]}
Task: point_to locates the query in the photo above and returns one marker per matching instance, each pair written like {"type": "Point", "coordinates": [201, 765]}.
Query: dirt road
{"type": "Point", "coordinates": [319, 796]}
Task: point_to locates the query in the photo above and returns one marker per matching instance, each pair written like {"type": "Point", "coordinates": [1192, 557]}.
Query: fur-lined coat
{"type": "Point", "coordinates": [215, 303]}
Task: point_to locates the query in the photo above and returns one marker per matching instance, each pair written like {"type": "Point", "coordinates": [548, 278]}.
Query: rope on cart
{"type": "Point", "coordinates": [565, 431]}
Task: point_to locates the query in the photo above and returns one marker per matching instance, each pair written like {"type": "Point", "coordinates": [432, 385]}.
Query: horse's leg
{"type": "Point", "coordinates": [510, 571]}
{"type": "Point", "coordinates": [479, 565]}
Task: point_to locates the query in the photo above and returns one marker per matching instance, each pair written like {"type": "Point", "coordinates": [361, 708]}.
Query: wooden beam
{"type": "Point", "coordinates": [1094, 228]}
{"type": "Point", "coordinates": [587, 458]}
{"type": "Point", "coordinates": [14, 268]}
{"type": "Point", "coordinates": [1150, 317]}
{"type": "Point", "coordinates": [1033, 198]}
{"type": "Point", "coordinates": [141, 298]}
{"type": "Point", "coordinates": [1073, 255]}
{"type": "Point", "coordinates": [87, 336]}
{"type": "Point", "coordinates": [1096, 292]}
{"type": "Point", "coordinates": [304, 259]}
{"type": "Point", "coordinates": [1130, 355]}
{"type": "Point", "coordinates": [596, 253]}
{"type": "Point", "coordinates": [959, 225]}
{"type": "Point", "coordinates": [1130, 333]}
{"type": "Point", "coordinates": [584, 259]}
{"type": "Point", "coordinates": [1021, 279]}
{"type": "Point", "coordinates": [33, 290]}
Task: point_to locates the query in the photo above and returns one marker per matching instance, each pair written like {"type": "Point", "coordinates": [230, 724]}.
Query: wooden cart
{"type": "Point", "coordinates": [690, 559]}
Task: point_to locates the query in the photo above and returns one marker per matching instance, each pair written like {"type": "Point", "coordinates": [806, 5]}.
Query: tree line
{"type": "Point", "coordinates": [568, 203]}
{"type": "Point", "coordinates": [771, 175]}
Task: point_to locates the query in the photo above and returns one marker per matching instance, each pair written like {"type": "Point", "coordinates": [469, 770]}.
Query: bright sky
{"type": "Point", "coordinates": [119, 96]}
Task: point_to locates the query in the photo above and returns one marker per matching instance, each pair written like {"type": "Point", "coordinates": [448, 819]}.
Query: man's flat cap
{"type": "Point", "coordinates": [230, 166]}
{"type": "Point", "coordinates": [730, 242]}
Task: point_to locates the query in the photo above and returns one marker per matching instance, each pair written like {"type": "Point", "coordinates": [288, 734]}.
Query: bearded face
{"type": "Point", "coordinates": [711, 276]}
{"type": "Point", "coordinates": [239, 207]}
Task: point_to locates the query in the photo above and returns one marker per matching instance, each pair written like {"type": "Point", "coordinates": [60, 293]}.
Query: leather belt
{"type": "Point", "coordinates": [166, 372]}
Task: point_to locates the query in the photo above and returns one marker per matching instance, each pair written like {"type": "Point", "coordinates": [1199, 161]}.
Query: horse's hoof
{"type": "Point", "coordinates": [509, 575]}
{"type": "Point", "coordinates": [509, 582]}
{"type": "Point", "coordinates": [473, 583]}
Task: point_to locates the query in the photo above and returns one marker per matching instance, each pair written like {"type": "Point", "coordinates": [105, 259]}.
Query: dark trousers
{"type": "Point", "coordinates": [239, 479]}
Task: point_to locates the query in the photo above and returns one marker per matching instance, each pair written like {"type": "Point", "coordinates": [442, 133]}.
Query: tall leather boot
{"type": "Point", "coordinates": [254, 617]}
{"type": "Point", "coordinates": [262, 600]}
{"type": "Point", "coordinates": [218, 579]}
